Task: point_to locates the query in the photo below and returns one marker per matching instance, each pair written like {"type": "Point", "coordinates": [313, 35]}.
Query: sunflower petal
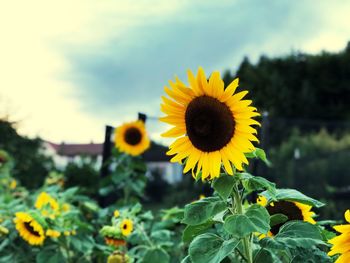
{"type": "Point", "coordinates": [230, 90]}
{"type": "Point", "coordinates": [192, 160]}
{"type": "Point", "coordinates": [174, 132]}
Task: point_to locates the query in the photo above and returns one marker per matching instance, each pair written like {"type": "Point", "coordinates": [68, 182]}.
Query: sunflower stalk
{"type": "Point", "coordinates": [143, 232]}
{"type": "Point", "coordinates": [238, 208]}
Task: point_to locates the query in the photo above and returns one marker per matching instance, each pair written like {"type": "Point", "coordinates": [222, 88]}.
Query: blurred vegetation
{"type": "Point", "coordinates": [316, 164]}
{"type": "Point", "coordinates": [31, 165]}
{"type": "Point", "coordinates": [299, 90]}
{"type": "Point", "coordinates": [307, 129]}
{"type": "Point", "coordinates": [84, 175]}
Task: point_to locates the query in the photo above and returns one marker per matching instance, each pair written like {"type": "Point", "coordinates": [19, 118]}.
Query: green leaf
{"type": "Point", "coordinates": [198, 176]}
{"type": "Point", "coordinates": [260, 154]}
{"type": "Point", "coordinates": [156, 255]}
{"type": "Point", "coordinates": [191, 232]}
{"type": "Point", "coordinates": [161, 235]}
{"type": "Point", "coordinates": [292, 195]}
{"type": "Point", "coordinates": [264, 256]}
{"type": "Point", "coordinates": [278, 219]}
{"type": "Point", "coordinates": [256, 183]}
{"type": "Point", "coordinates": [295, 234]}
{"type": "Point", "coordinates": [201, 211]}
{"type": "Point", "coordinates": [210, 248]}
{"type": "Point", "coordinates": [136, 209]}
{"type": "Point", "coordinates": [256, 219]}
{"type": "Point", "coordinates": [224, 185]}
{"type": "Point", "coordinates": [302, 255]}
{"type": "Point", "coordinates": [299, 229]}
{"type": "Point", "coordinates": [49, 256]}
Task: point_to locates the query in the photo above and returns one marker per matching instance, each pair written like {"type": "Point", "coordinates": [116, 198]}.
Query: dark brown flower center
{"type": "Point", "coordinates": [31, 229]}
{"type": "Point", "coordinates": [133, 136]}
{"type": "Point", "coordinates": [289, 209]}
{"type": "Point", "coordinates": [125, 226]}
{"type": "Point", "coordinates": [209, 123]}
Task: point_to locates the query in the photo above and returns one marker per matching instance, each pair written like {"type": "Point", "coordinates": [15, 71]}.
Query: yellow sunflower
{"type": "Point", "coordinates": [132, 138]}
{"type": "Point", "coordinates": [293, 210]}
{"type": "Point", "coordinates": [213, 123]}
{"type": "Point", "coordinates": [13, 184]}
{"type": "Point", "coordinates": [53, 233]}
{"type": "Point", "coordinates": [126, 227]}
{"type": "Point", "coordinates": [116, 213]}
{"type": "Point", "coordinates": [47, 204]}
{"type": "Point", "coordinates": [341, 243]}
{"type": "Point", "coordinates": [29, 228]}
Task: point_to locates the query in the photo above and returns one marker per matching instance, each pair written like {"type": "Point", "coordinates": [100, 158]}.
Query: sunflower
{"type": "Point", "coordinates": [341, 243]}
{"type": "Point", "coordinates": [65, 207]}
{"type": "Point", "coordinates": [126, 227]}
{"type": "Point", "coordinates": [116, 213]}
{"type": "Point", "coordinates": [53, 233]}
{"type": "Point", "coordinates": [293, 210]}
{"type": "Point", "coordinates": [13, 184]}
{"type": "Point", "coordinates": [132, 138]}
{"type": "Point", "coordinates": [47, 204]}
{"type": "Point", "coordinates": [213, 124]}
{"type": "Point", "coordinates": [29, 228]}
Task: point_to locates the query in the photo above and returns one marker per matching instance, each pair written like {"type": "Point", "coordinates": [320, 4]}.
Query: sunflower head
{"type": "Point", "coordinates": [118, 257]}
{"type": "Point", "coordinates": [341, 243]}
{"type": "Point", "coordinates": [212, 122]}
{"type": "Point", "coordinates": [132, 138]}
{"type": "Point", "coordinates": [13, 184]}
{"type": "Point", "coordinates": [126, 227]}
{"type": "Point", "coordinates": [116, 213]}
{"type": "Point", "coordinates": [53, 233]}
{"type": "Point", "coordinates": [65, 207]}
{"type": "Point", "coordinates": [48, 206]}
{"type": "Point", "coordinates": [293, 210]}
{"type": "Point", "coordinates": [29, 228]}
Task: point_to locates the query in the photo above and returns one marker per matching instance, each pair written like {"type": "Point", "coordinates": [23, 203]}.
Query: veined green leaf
{"type": "Point", "coordinates": [202, 210]}
{"type": "Point", "coordinates": [256, 219]}
{"type": "Point", "coordinates": [210, 248]}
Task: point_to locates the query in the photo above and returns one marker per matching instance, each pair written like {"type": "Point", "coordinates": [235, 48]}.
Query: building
{"type": "Point", "coordinates": [155, 157]}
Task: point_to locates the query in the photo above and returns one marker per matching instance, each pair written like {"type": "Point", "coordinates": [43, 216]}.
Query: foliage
{"type": "Point", "coordinates": [127, 180]}
{"type": "Point", "coordinates": [319, 157]}
{"type": "Point", "coordinates": [30, 165]}
{"type": "Point", "coordinates": [221, 229]}
{"type": "Point", "coordinates": [84, 175]}
{"type": "Point", "coordinates": [319, 82]}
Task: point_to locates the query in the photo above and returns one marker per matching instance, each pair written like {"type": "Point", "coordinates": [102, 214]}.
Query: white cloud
{"type": "Point", "coordinates": [31, 65]}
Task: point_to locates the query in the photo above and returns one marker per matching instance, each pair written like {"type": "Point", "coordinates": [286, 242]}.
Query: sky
{"type": "Point", "coordinates": [69, 67]}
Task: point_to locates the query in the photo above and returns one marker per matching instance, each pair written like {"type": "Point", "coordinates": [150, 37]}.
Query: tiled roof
{"type": "Point", "coordinates": [92, 149]}
{"type": "Point", "coordinates": [156, 153]}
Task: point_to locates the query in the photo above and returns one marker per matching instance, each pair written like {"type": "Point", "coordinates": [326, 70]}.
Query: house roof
{"type": "Point", "coordinates": [92, 149]}
{"type": "Point", "coordinates": [156, 153]}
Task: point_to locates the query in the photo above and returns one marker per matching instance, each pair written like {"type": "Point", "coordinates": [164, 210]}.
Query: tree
{"type": "Point", "coordinates": [31, 166]}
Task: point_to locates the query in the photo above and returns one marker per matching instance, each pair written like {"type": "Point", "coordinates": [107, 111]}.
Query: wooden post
{"type": "Point", "coordinates": [142, 117]}
{"type": "Point", "coordinates": [106, 154]}
{"type": "Point", "coordinates": [107, 148]}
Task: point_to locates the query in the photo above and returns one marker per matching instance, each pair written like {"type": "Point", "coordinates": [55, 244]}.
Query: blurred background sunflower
{"type": "Point", "coordinates": [29, 228]}
{"type": "Point", "coordinates": [132, 138]}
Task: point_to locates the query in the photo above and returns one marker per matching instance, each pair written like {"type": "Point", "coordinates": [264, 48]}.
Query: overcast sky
{"type": "Point", "coordinates": [69, 67]}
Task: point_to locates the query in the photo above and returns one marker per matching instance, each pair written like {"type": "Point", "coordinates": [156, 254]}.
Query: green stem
{"type": "Point", "coordinates": [142, 230]}
{"type": "Point", "coordinates": [237, 203]}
